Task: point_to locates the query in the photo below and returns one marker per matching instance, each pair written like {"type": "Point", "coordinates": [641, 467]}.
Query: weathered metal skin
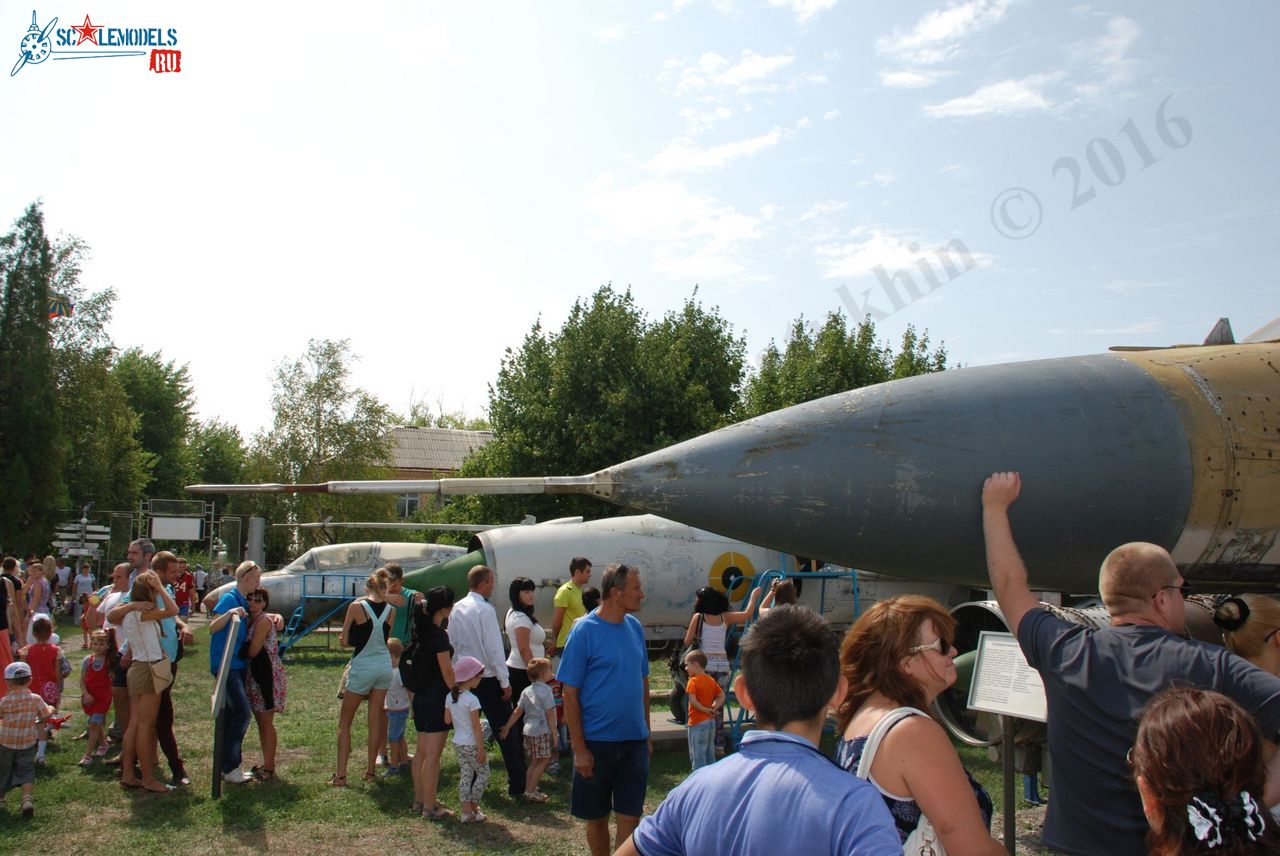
{"type": "Point", "coordinates": [887, 477]}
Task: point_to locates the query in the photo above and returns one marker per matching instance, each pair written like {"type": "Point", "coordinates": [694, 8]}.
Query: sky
{"type": "Point", "coordinates": [1021, 179]}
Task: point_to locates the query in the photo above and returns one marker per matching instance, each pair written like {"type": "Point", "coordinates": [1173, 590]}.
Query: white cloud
{"type": "Point", "coordinates": [997, 99]}
{"type": "Point", "coordinates": [830, 114]}
{"type": "Point", "coordinates": [881, 249]}
{"type": "Point", "coordinates": [680, 156]}
{"type": "Point", "coordinates": [940, 34]}
{"type": "Point", "coordinates": [883, 177]}
{"type": "Point", "coordinates": [912, 79]}
{"type": "Point", "coordinates": [700, 120]}
{"type": "Point", "coordinates": [1109, 53]}
{"type": "Point", "coordinates": [712, 72]}
{"type": "Point", "coordinates": [612, 32]}
{"type": "Point", "coordinates": [805, 10]}
{"type": "Point", "coordinates": [823, 209]}
{"type": "Point", "coordinates": [1142, 328]}
{"type": "Point", "coordinates": [690, 236]}
{"type": "Point", "coordinates": [1132, 286]}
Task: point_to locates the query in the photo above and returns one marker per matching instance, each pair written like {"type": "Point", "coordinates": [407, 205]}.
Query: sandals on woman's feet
{"type": "Point", "coordinates": [439, 812]}
{"type": "Point", "coordinates": [368, 777]}
{"type": "Point", "coordinates": [262, 774]}
{"type": "Point", "coordinates": [535, 796]}
{"type": "Point", "coordinates": [478, 817]}
{"type": "Point", "coordinates": [86, 761]}
{"type": "Point", "coordinates": [417, 807]}
{"type": "Point", "coordinates": [336, 781]}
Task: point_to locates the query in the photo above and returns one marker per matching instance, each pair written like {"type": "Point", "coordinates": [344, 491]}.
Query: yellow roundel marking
{"type": "Point", "coordinates": [731, 573]}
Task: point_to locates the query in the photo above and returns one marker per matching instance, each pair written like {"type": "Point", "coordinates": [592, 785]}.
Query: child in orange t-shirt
{"type": "Point", "coordinates": [705, 700]}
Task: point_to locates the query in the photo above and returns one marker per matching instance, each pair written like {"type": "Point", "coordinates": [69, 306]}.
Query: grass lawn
{"type": "Point", "coordinates": [86, 810]}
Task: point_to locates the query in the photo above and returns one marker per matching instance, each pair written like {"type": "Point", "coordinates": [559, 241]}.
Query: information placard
{"type": "Point", "coordinates": [1003, 681]}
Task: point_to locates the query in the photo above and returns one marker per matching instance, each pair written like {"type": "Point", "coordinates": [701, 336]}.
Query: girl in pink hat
{"type": "Point", "coordinates": [463, 711]}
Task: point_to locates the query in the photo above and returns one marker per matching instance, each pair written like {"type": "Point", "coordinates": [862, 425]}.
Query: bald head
{"type": "Point", "coordinates": [1132, 573]}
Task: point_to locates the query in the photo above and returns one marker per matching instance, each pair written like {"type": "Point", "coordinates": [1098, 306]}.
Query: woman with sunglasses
{"type": "Point", "coordinates": [898, 658]}
{"type": "Point", "coordinates": [265, 680]}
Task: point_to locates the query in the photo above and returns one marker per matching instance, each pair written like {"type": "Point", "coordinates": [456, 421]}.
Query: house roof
{"type": "Point", "coordinates": [434, 448]}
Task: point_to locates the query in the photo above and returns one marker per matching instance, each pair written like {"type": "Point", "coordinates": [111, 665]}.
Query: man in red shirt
{"type": "Point", "coordinates": [184, 586]}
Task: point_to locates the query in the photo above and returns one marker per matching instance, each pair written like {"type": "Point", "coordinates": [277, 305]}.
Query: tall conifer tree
{"type": "Point", "coordinates": [31, 448]}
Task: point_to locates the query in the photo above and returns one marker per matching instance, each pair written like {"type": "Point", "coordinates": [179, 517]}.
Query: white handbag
{"type": "Point", "coordinates": [922, 841]}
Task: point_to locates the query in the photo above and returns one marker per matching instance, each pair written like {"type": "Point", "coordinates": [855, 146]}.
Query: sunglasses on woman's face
{"type": "Point", "coordinates": [256, 598]}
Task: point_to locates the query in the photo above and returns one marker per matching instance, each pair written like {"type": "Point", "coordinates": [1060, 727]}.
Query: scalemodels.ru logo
{"type": "Point", "coordinates": [88, 40]}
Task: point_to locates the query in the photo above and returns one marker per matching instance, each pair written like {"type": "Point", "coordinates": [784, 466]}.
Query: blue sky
{"type": "Point", "coordinates": [428, 179]}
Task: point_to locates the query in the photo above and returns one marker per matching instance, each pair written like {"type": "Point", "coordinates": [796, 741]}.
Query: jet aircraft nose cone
{"type": "Point", "coordinates": [888, 478]}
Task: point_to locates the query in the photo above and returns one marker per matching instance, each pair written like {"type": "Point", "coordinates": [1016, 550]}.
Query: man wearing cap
{"type": "Point", "coordinates": [474, 632]}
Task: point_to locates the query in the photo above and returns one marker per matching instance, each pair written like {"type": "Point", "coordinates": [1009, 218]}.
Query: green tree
{"type": "Point", "coordinates": [323, 429]}
{"type": "Point", "coordinates": [105, 459]}
{"type": "Point", "coordinates": [421, 415]}
{"type": "Point", "coordinates": [220, 455]}
{"type": "Point", "coordinates": [160, 393]}
{"type": "Point", "coordinates": [609, 386]}
{"type": "Point", "coordinates": [834, 358]}
{"type": "Point", "coordinates": [31, 446]}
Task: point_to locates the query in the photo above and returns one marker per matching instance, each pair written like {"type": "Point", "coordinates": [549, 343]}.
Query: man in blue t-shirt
{"type": "Point", "coordinates": [778, 793]}
{"type": "Point", "coordinates": [239, 714]}
{"type": "Point", "coordinates": [605, 672]}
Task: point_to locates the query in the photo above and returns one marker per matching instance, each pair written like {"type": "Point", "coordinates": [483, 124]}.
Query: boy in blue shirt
{"type": "Point", "coordinates": [778, 793]}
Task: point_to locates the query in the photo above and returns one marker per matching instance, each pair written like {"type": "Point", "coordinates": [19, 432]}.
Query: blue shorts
{"type": "Point", "coordinates": [184, 611]}
{"type": "Point", "coordinates": [396, 720]}
{"type": "Point", "coordinates": [618, 780]}
{"type": "Point", "coordinates": [369, 673]}
{"type": "Point", "coordinates": [97, 718]}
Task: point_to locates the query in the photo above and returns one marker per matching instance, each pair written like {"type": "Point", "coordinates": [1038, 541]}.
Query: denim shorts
{"type": "Point", "coordinates": [396, 720]}
{"type": "Point", "coordinates": [618, 780]}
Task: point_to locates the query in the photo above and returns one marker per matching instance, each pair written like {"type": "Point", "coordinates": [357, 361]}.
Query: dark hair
{"type": "Point", "coordinates": [615, 577]}
{"type": "Point", "coordinates": [9, 563]}
{"type": "Point", "coordinates": [791, 666]}
{"type": "Point", "coordinates": [518, 585]}
{"type": "Point", "coordinates": [590, 598]}
{"type": "Point", "coordinates": [711, 601]}
{"type": "Point", "coordinates": [785, 593]}
{"type": "Point", "coordinates": [395, 570]}
{"type": "Point", "coordinates": [438, 598]}
{"type": "Point", "coordinates": [42, 628]}
{"type": "Point", "coordinates": [577, 563]}
{"type": "Point", "coordinates": [1196, 746]}
{"type": "Point", "coordinates": [266, 596]}
{"type": "Point", "coordinates": [874, 648]}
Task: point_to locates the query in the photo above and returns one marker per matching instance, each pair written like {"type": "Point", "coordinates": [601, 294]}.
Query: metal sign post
{"type": "Point", "coordinates": [1004, 683]}
{"type": "Point", "coordinates": [219, 702]}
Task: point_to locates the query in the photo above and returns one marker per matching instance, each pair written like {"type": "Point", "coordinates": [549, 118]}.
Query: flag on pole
{"type": "Point", "coordinates": [60, 307]}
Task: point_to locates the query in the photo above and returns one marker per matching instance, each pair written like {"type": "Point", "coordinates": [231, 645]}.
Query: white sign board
{"type": "Point", "coordinates": [1003, 681]}
{"type": "Point", "coordinates": [176, 528]}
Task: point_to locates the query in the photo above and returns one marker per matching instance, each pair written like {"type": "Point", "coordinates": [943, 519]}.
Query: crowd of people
{"type": "Point", "coordinates": [1159, 743]}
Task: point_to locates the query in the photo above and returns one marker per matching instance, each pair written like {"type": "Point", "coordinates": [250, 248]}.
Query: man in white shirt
{"type": "Point", "coordinates": [474, 632]}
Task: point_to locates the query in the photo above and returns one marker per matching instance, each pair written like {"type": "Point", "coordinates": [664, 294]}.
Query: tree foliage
{"type": "Point", "coordinates": [323, 429]}
{"type": "Point", "coordinates": [608, 386]}
{"type": "Point", "coordinates": [833, 358]}
{"type": "Point", "coordinates": [160, 393]}
{"type": "Point", "coordinates": [31, 446]}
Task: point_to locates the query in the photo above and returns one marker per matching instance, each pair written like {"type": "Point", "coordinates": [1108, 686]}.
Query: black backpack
{"type": "Point", "coordinates": [414, 663]}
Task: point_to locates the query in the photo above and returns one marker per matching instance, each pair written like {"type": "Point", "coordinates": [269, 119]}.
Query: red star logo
{"type": "Point", "coordinates": [88, 32]}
